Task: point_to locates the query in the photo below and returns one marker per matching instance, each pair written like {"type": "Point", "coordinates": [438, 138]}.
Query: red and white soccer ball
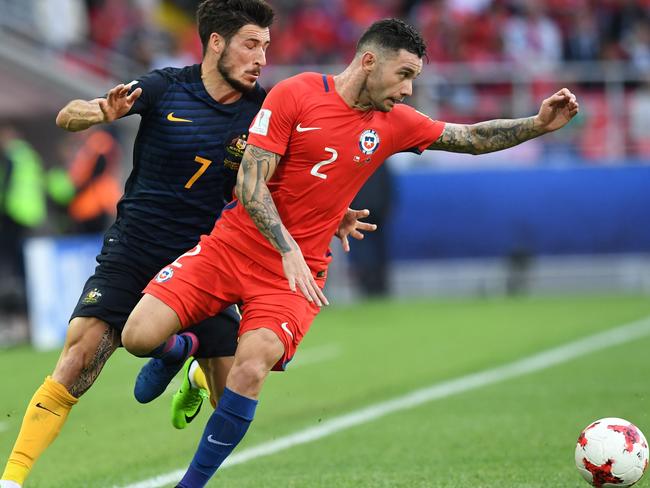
{"type": "Point", "coordinates": [611, 452]}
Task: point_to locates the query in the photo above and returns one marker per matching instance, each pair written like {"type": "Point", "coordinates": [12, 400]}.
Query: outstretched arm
{"type": "Point", "coordinates": [257, 167]}
{"type": "Point", "coordinates": [495, 135]}
{"type": "Point", "coordinates": [79, 115]}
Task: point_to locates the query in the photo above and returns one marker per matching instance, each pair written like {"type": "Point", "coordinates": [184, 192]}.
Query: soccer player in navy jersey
{"type": "Point", "coordinates": [193, 130]}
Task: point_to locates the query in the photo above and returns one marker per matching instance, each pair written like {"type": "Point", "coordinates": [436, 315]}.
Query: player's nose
{"type": "Point", "coordinates": [407, 89]}
{"type": "Point", "coordinates": [261, 58]}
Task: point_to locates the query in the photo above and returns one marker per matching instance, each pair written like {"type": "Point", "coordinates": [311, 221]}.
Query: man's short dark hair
{"type": "Point", "coordinates": [226, 17]}
{"type": "Point", "coordinates": [393, 34]}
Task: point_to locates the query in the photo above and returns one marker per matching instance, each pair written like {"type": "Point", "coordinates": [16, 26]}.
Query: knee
{"type": "Point", "coordinates": [134, 337]}
{"type": "Point", "coordinates": [247, 377]}
{"type": "Point", "coordinates": [257, 352]}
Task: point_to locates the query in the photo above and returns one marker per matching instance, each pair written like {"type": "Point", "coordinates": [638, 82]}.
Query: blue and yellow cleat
{"type": "Point", "coordinates": [187, 401]}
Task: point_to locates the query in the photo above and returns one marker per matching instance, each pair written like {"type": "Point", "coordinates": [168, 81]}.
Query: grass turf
{"type": "Point", "coordinates": [519, 433]}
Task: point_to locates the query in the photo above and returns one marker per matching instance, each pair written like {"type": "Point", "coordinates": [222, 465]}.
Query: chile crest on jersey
{"type": "Point", "coordinates": [368, 141]}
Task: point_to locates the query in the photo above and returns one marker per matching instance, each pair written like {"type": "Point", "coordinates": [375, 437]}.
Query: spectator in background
{"type": "Point", "coordinates": [582, 42]}
{"type": "Point", "coordinates": [171, 54]}
{"type": "Point", "coordinates": [637, 45]}
{"type": "Point", "coordinates": [110, 20]}
{"type": "Point", "coordinates": [94, 171]}
{"type": "Point", "coordinates": [22, 208]}
{"type": "Point", "coordinates": [369, 259]}
{"type": "Point", "coordinates": [532, 33]}
{"type": "Point", "coordinates": [61, 23]}
{"type": "Point", "coordinates": [532, 38]}
{"type": "Point", "coordinates": [639, 120]}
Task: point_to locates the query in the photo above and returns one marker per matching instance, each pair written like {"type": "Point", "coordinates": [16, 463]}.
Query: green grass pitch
{"type": "Point", "coordinates": [516, 433]}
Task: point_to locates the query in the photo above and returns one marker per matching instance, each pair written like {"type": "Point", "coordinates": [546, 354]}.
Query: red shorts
{"type": "Point", "coordinates": [213, 276]}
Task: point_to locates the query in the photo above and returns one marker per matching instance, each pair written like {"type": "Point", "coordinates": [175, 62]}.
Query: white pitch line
{"type": "Point", "coordinates": [315, 355]}
{"type": "Point", "coordinates": [536, 362]}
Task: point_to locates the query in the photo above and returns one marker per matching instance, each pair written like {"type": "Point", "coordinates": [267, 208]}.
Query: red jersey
{"type": "Point", "coordinates": [328, 152]}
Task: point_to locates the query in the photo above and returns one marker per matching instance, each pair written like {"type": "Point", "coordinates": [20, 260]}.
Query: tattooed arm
{"type": "Point", "coordinates": [486, 137]}
{"type": "Point", "coordinates": [79, 115]}
{"type": "Point", "coordinates": [257, 167]}
{"type": "Point", "coordinates": [495, 135]}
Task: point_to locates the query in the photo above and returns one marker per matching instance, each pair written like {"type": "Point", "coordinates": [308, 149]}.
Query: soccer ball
{"type": "Point", "coordinates": [611, 452]}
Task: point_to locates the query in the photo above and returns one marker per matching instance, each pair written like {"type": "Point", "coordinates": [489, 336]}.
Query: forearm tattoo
{"type": "Point", "coordinates": [486, 137]}
{"type": "Point", "coordinates": [80, 115]}
{"type": "Point", "coordinates": [256, 167]}
{"type": "Point", "coordinates": [107, 344]}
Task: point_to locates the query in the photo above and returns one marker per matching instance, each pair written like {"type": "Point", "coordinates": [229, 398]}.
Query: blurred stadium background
{"type": "Point", "coordinates": [499, 256]}
{"type": "Point", "coordinates": [567, 212]}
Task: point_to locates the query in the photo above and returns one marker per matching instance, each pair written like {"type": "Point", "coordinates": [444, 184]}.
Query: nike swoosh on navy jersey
{"type": "Point", "coordinates": [171, 118]}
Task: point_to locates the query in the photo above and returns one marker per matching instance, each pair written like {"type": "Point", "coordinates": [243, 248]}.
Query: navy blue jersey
{"type": "Point", "coordinates": [185, 162]}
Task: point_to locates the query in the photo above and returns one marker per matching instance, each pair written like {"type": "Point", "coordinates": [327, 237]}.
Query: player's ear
{"type": "Point", "coordinates": [217, 43]}
{"type": "Point", "coordinates": [368, 61]}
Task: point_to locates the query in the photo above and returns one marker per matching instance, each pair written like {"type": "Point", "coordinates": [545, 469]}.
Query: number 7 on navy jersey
{"type": "Point", "coordinates": [204, 166]}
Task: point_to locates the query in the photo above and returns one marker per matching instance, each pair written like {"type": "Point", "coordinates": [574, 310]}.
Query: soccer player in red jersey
{"type": "Point", "coordinates": [313, 144]}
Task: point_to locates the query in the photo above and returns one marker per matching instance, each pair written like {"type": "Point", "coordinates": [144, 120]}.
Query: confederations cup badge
{"type": "Point", "coordinates": [368, 141]}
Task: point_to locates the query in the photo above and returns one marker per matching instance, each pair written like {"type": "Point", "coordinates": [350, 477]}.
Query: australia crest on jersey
{"type": "Point", "coordinates": [93, 296]}
{"type": "Point", "coordinates": [235, 152]}
{"type": "Point", "coordinates": [368, 141]}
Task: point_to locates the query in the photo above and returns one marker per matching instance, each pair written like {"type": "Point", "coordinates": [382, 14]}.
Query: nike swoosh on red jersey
{"type": "Point", "coordinates": [299, 128]}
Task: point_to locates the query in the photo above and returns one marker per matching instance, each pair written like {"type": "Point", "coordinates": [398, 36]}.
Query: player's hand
{"type": "Point", "coordinates": [557, 110]}
{"type": "Point", "coordinates": [300, 277]}
{"type": "Point", "coordinates": [351, 225]}
{"type": "Point", "coordinates": [118, 102]}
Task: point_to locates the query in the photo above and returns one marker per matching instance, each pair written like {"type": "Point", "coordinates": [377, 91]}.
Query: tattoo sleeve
{"type": "Point", "coordinates": [107, 345]}
{"type": "Point", "coordinates": [485, 137]}
{"type": "Point", "coordinates": [257, 167]}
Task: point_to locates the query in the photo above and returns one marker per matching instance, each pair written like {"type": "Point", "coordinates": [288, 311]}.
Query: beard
{"type": "Point", "coordinates": [225, 70]}
{"type": "Point", "coordinates": [381, 106]}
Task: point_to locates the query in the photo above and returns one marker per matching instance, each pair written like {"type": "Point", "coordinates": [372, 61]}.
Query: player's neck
{"type": "Point", "coordinates": [218, 88]}
{"type": "Point", "coordinates": [351, 86]}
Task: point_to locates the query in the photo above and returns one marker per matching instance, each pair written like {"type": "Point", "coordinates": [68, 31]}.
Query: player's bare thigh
{"type": "Point", "coordinates": [88, 344]}
{"type": "Point", "coordinates": [151, 323]}
{"type": "Point", "coordinates": [216, 372]}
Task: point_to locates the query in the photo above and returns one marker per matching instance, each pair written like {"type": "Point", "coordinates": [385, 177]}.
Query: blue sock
{"type": "Point", "coordinates": [174, 349]}
{"type": "Point", "coordinates": [225, 429]}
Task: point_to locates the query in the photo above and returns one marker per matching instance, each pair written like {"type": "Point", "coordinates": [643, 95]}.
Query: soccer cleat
{"type": "Point", "coordinates": [154, 377]}
{"type": "Point", "coordinates": [187, 401]}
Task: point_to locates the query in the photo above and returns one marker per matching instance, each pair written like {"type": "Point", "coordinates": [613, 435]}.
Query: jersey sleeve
{"type": "Point", "coordinates": [272, 126]}
{"type": "Point", "coordinates": [414, 131]}
{"type": "Point", "coordinates": [154, 85]}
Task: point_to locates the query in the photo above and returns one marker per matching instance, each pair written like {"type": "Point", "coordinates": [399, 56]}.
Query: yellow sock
{"type": "Point", "coordinates": [199, 378]}
{"type": "Point", "coordinates": [44, 417]}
